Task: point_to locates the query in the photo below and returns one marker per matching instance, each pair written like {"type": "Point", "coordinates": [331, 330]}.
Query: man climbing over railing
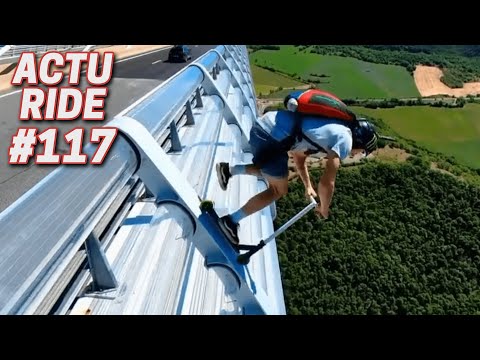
{"type": "Point", "coordinates": [316, 122]}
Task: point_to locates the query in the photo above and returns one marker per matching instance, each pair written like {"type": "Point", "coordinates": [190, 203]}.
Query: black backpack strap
{"type": "Point", "coordinates": [298, 135]}
{"type": "Point", "coordinates": [314, 144]}
{"type": "Point", "coordinates": [352, 124]}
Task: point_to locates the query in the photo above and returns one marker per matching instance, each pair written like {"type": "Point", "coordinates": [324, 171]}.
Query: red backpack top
{"type": "Point", "coordinates": [321, 103]}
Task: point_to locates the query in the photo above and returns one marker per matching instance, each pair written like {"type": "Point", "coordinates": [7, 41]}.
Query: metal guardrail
{"type": "Point", "coordinates": [74, 207]}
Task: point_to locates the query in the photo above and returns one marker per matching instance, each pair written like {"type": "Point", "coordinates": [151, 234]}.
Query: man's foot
{"type": "Point", "coordinates": [230, 229]}
{"type": "Point", "coordinates": [223, 174]}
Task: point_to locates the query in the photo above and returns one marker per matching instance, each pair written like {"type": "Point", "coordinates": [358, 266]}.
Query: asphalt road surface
{"type": "Point", "coordinates": [132, 78]}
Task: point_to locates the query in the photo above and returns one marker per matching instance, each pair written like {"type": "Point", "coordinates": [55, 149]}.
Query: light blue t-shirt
{"type": "Point", "coordinates": [330, 134]}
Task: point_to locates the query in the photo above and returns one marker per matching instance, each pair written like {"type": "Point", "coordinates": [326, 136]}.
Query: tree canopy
{"type": "Point", "coordinates": [402, 239]}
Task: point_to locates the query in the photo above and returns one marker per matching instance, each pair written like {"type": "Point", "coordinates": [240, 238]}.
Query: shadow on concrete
{"type": "Point", "coordinates": [8, 69]}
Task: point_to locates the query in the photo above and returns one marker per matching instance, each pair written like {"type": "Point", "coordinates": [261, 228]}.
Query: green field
{"type": "Point", "coordinates": [450, 131]}
{"type": "Point", "coordinates": [266, 80]}
{"type": "Point", "coordinates": [346, 77]}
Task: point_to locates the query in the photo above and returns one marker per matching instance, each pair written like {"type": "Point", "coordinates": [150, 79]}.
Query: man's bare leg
{"type": "Point", "coordinates": [277, 187]}
{"type": "Point", "coordinates": [225, 172]}
{"type": "Point", "coordinates": [252, 170]}
{"type": "Point", "coordinates": [249, 169]}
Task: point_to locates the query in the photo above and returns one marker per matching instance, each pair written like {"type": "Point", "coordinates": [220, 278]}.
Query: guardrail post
{"type": "Point", "coordinates": [211, 89]}
{"type": "Point", "coordinates": [237, 83]}
{"type": "Point", "coordinates": [176, 145]}
{"type": "Point", "coordinates": [189, 113]}
{"type": "Point", "coordinates": [242, 71]}
{"type": "Point", "coordinates": [238, 56]}
{"type": "Point", "coordinates": [101, 271]}
{"type": "Point", "coordinates": [198, 98]}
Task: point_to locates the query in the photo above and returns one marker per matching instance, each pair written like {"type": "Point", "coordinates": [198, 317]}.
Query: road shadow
{"type": "Point", "coordinates": [8, 69]}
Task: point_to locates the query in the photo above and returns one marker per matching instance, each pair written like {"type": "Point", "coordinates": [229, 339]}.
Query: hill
{"type": "Point", "coordinates": [453, 132]}
{"type": "Point", "coordinates": [457, 68]}
{"type": "Point", "coordinates": [347, 77]}
{"type": "Point", "coordinates": [460, 50]}
{"type": "Point", "coordinates": [266, 80]}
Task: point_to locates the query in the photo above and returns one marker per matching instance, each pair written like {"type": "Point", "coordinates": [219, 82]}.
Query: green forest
{"type": "Point", "coordinates": [402, 238]}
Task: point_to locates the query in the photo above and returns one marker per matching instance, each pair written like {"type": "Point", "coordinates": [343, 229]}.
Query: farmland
{"type": "Point", "coordinates": [450, 131]}
{"type": "Point", "coordinates": [347, 77]}
{"type": "Point", "coordinates": [266, 80]}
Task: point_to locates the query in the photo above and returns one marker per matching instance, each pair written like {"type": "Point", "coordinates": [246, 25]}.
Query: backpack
{"type": "Point", "coordinates": [315, 102]}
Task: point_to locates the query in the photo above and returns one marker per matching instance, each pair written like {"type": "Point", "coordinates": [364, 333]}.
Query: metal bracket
{"type": "Point", "coordinates": [198, 98]}
{"type": "Point", "coordinates": [237, 83]}
{"type": "Point", "coordinates": [156, 170]}
{"type": "Point", "coordinates": [239, 56]}
{"type": "Point", "coordinates": [176, 145]}
{"type": "Point", "coordinates": [230, 117]}
{"type": "Point", "coordinates": [211, 261]}
{"type": "Point", "coordinates": [248, 77]}
{"type": "Point", "coordinates": [100, 269]}
{"type": "Point", "coordinates": [243, 58]}
{"type": "Point", "coordinates": [189, 113]}
{"type": "Point", "coordinates": [237, 60]}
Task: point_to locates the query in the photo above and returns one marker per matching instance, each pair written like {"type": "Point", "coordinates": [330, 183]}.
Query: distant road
{"type": "Point", "coordinates": [132, 78]}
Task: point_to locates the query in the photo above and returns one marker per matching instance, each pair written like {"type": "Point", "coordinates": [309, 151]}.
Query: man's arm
{"type": "Point", "coordinates": [301, 165]}
{"type": "Point", "coordinates": [326, 185]}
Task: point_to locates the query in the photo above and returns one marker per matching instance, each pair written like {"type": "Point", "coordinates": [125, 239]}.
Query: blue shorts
{"type": "Point", "coordinates": [267, 155]}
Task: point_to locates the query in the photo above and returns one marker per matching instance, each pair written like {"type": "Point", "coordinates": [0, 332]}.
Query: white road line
{"type": "Point", "coordinates": [15, 92]}
{"type": "Point", "coordinates": [156, 62]}
{"type": "Point", "coordinates": [116, 62]}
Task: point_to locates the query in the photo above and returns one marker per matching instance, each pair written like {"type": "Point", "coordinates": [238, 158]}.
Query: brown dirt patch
{"type": "Point", "coordinates": [434, 166]}
{"type": "Point", "coordinates": [427, 79]}
{"type": "Point", "coordinates": [391, 154]}
{"type": "Point", "coordinates": [262, 104]}
{"type": "Point", "coordinates": [312, 163]}
{"type": "Point", "coordinates": [385, 154]}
